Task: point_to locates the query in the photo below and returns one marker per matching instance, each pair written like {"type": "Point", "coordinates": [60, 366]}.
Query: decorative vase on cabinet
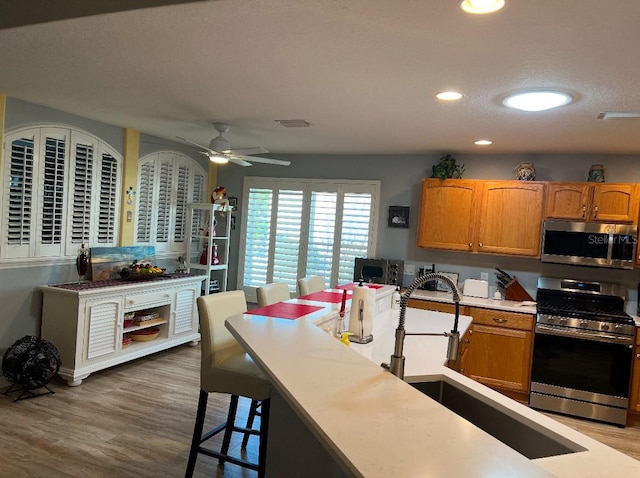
{"type": "Point", "coordinates": [525, 171]}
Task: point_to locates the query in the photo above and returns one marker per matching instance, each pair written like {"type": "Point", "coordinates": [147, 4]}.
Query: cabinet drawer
{"type": "Point", "coordinates": [147, 299]}
{"type": "Point", "coordinates": [500, 318]}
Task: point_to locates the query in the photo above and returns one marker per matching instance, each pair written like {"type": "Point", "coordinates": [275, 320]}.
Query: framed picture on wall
{"type": "Point", "coordinates": [399, 216]}
{"type": "Point", "coordinates": [233, 202]}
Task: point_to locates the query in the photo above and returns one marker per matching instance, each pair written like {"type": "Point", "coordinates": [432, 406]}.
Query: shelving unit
{"type": "Point", "coordinates": [206, 237]}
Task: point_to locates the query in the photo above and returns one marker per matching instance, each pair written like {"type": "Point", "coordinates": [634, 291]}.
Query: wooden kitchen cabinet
{"type": "Point", "coordinates": [500, 351]}
{"type": "Point", "coordinates": [86, 321]}
{"type": "Point", "coordinates": [447, 210]}
{"type": "Point", "coordinates": [500, 217]}
{"type": "Point", "coordinates": [592, 202]}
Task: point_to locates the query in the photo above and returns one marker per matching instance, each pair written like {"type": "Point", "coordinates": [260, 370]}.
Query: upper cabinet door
{"type": "Point", "coordinates": [615, 203]}
{"type": "Point", "coordinates": [447, 214]}
{"type": "Point", "coordinates": [510, 217]}
{"type": "Point", "coordinates": [568, 201]}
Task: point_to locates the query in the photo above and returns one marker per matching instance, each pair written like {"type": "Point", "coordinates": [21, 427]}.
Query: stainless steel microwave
{"type": "Point", "coordinates": [589, 244]}
{"type": "Point", "coordinates": [378, 271]}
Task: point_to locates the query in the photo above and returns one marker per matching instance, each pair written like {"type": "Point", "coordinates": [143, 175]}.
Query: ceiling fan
{"type": "Point", "coordinates": [219, 151]}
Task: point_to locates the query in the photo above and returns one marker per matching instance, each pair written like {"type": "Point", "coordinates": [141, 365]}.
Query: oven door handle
{"type": "Point", "coordinates": [577, 334]}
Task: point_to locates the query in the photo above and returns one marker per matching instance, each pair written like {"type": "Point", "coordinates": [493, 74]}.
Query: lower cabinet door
{"type": "Point", "coordinates": [500, 357]}
{"type": "Point", "coordinates": [103, 327]}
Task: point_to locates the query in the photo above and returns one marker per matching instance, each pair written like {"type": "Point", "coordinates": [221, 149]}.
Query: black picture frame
{"type": "Point", "coordinates": [233, 202]}
{"type": "Point", "coordinates": [399, 216]}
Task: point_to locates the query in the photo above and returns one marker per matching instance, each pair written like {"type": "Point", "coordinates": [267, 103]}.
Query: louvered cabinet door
{"type": "Point", "coordinates": [102, 327]}
{"type": "Point", "coordinates": [184, 315]}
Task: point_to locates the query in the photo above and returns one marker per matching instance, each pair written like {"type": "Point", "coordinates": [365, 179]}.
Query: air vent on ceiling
{"type": "Point", "coordinates": [294, 123]}
{"type": "Point", "coordinates": [619, 115]}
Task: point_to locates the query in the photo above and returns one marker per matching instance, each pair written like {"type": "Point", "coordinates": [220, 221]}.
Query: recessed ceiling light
{"type": "Point", "coordinates": [449, 95]}
{"type": "Point", "coordinates": [483, 142]}
{"type": "Point", "coordinates": [479, 7]}
{"type": "Point", "coordinates": [537, 100]}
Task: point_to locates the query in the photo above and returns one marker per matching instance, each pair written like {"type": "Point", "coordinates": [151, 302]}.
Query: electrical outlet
{"type": "Point", "coordinates": [409, 269]}
{"type": "Point", "coordinates": [484, 276]}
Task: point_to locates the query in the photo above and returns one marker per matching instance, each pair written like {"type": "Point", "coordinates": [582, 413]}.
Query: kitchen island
{"type": "Point", "coordinates": [336, 412]}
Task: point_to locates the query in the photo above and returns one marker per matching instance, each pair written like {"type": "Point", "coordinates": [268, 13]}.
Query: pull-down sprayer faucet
{"type": "Point", "coordinates": [396, 365]}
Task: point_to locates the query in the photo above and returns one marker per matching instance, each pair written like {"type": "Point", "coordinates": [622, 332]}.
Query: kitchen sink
{"type": "Point", "coordinates": [522, 437]}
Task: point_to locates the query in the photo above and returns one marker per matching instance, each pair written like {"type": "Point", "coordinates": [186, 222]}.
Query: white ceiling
{"type": "Point", "coordinates": [362, 72]}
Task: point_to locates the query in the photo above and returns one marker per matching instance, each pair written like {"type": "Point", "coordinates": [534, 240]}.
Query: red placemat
{"type": "Point", "coordinates": [350, 286]}
{"type": "Point", "coordinates": [324, 296]}
{"type": "Point", "coordinates": [284, 310]}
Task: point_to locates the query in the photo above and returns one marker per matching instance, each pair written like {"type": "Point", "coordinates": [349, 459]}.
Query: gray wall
{"type": "Point", "coordinates": [400, 177]}
{"type": "Point", "coordinates": [401, 181]}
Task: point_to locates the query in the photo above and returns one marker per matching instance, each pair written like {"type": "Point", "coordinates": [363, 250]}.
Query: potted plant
{"type": "Point", "coordinates": [447, 168]}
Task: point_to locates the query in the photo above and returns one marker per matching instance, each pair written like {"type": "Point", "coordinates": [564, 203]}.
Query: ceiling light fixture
{"type": "Point", "coordinates": [480, 7]}
{"type": "Point", "coordinates": [218, 159]}
{"type": "Point", "coordinates": [537, 100]}
{"type": "Point", "coordinates": [449, 95]}
{"type": "Point", "coordinates": [483, 142]}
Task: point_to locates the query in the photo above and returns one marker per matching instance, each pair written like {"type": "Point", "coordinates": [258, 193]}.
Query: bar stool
{"type": "Point", "coordinates": [272, 293]}
{"type": "Point", "coordinates": [311, 284]}
{"type": "Point", "coordinates": [226, 368]}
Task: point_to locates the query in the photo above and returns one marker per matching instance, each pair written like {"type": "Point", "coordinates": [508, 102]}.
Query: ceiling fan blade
{"type": "Point", "coordinates": [247, 151]}
{"type": "Point", "coordinates": [209, 150]}
{"type": "Point", "coordinates": [238, 161]}
{"type": "Point", "coordinates": [258, 159]}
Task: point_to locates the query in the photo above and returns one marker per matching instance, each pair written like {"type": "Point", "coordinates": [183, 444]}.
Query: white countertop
{"type": "Point", "coordinates": [507, 305]}
{"type": "Point", "coordinates": [379, 426]}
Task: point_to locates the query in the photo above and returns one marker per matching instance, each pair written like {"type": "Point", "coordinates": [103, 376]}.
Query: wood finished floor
{"type": "Point", "coordinates": [136, 420]}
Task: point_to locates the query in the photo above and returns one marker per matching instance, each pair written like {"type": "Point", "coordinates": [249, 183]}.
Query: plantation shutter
{"type": "Point", "coordinates": [258, 236]}
{"type": "Point", "coordinates": [322, 228]}
{"type": "Point", "coordinates": [19, 198]}
{"type": "Point", "coordinates": [146, 176]}
{"type": "Point", "coordinates": [288, 232]}
{"type": "Point", "coordinates": [295, 228]}
{"type": "Point", "coordinates": [107, 203]}
{"type": "Point", "coordinates": [354, 235]}
{"type": "Point", "coordinates": [62, 191]}
{"type": "Point", "coordinates": [167, 182]}
{"type": "Point", "coordinates": [82, 181]}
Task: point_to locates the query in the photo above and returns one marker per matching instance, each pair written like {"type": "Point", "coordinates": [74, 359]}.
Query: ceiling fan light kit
{"type": "Point", "coordinates": [480, 7]}
{"type": "Point", "coordinates": [220, 152]}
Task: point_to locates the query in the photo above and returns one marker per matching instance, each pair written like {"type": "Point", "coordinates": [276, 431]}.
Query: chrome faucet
{"type": "Point", "coordinates": [396, 365]}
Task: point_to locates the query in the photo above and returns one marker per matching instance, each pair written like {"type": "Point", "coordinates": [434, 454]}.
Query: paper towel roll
{"type": "Point", "coordinates": [364, 299]}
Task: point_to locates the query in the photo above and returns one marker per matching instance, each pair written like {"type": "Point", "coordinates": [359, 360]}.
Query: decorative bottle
{"type": "Point", "coordinates": [82, 262]}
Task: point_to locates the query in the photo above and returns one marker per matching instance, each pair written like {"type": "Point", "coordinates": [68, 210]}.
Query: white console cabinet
{"type": "Point", "coordinates": [86, 321]}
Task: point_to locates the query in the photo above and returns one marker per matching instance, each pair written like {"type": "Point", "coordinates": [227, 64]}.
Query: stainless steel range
{"type": "Point", "coordinates": [582, 351]}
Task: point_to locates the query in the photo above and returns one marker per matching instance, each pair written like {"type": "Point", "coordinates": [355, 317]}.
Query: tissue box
{"type": "Point", "coordinates": [476, 288]}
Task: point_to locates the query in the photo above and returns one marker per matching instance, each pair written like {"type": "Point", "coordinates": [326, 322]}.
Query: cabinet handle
{"type": "Point", "coordinates": [479, 244]}
{"type": "Point", "coordinates": [638, 356]}
{"type": "Point", "coordinates": [595, 209]}
{"type": "Point", "coordinates": [499, 320]}
{"type": "Point", "coordinates": [470, 244]}
{"type": "Point", "coordinates": [584, 211]}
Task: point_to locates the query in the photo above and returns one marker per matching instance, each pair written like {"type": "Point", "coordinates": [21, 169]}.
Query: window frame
{"type": "Point", "coordinates": [174, 165]}
{"type": "Point", "coordinates": [339, 186]}
{"type": "Point", "coordinates": [36, 251]}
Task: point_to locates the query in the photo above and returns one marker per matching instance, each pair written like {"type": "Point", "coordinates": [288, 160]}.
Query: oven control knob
{"type": "Point", "coordinates": [584, 324]}
{"type": "Point", "coordinates": [604, 326]}
{"type": "Point", "coordinates": [617, 327]}
{"type": "Point", "coordinates": [563, 321]}
{"type": "Point", "coordinates": [551, 320]}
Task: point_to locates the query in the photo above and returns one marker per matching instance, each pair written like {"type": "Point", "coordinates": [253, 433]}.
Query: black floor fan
{"type": "Point", "coordinates": [29, 364]}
